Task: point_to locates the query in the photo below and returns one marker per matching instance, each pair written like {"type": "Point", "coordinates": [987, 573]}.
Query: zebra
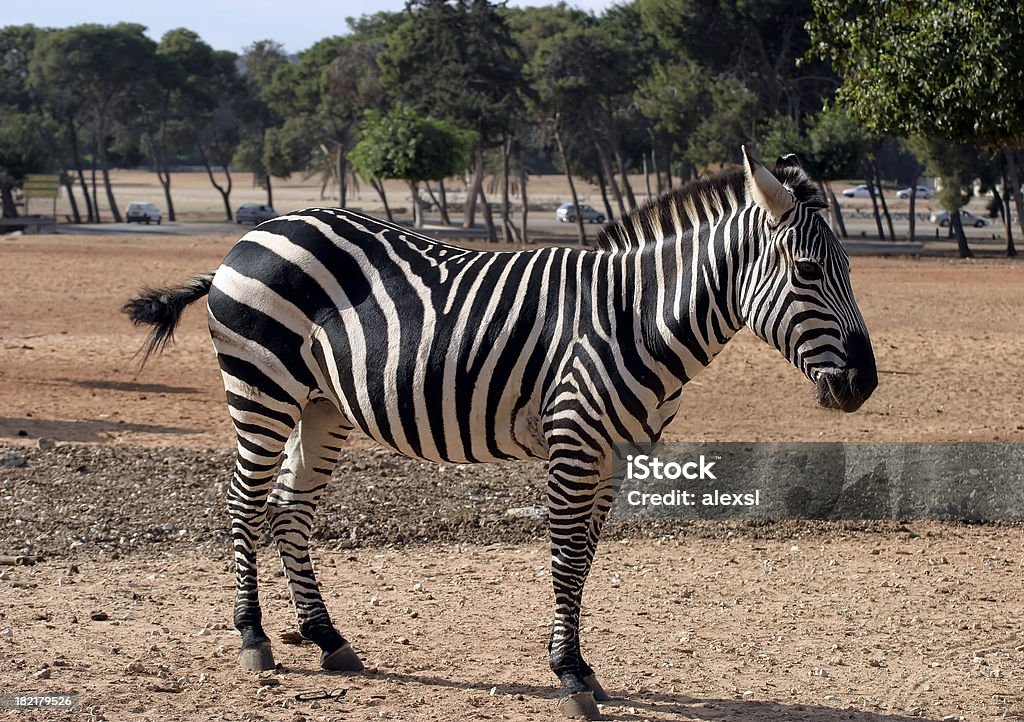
{"type": "Point", "coordinates": [326, 320]}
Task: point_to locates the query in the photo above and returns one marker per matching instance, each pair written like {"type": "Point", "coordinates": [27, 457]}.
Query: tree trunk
{"type": "Point", "coordinates": [475, 186]}
{"type": "Point", "coordinates": [101, 146]}
{"type": "Point", "coordinates": [1011, 249]}
{"type": "Point", "coordinates": [1014, 177]}
{"type": "Point", "coordinates": [625, 179]}
{"type": "Point", "coordinates": [604, 194]}
{"type": "Point", "coordinates": [69, 188]}
{"type": "Point", "coordinates": [10, 210]}
{"type": "Point", "coordinates": [492, 232]}
{"type": "Point", "coordinates": [270, 191]}
{"type": "Point", "coordinates": [76, 153]}
{"type": "Point", "coordinates": [523, 237]}
{"type": "Point", "coordinates": [912, 216]}
{"type": "Point", "coordinates": [958, 232]}
{"type": "Point", "coordinates": [881, 197]}
{"type": "Point", "coordinates": [95, 197]}
{"type": "Point", "coordinates": [874, 204]}
{"type": "Point", "coordinates": [342, 171]}
{"type": "Point", "coordinates": [225, 191]}
{"type": "Point", "coordinates": [443, 205]}
{"type": "Point", "coordinates": [668, 169]}
{"type": "Point", "coordinates": [582, 233]}
{"type": "Point", "coordinates": [379, 187]}
{"type": "Point", "coordinates": [606, 168]}
{"type": "Point", "coordinates": [837, 212]}
{"type": "Point", "coordinates": [417, 209]}
{"type": "Point", "coordinates": [164, 176]}
{"type": "Point", "coordinates": [647, 177]}
{"type": "Point", "coordinates": [507, 231]}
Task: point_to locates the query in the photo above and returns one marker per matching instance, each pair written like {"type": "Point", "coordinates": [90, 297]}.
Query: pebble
{"type": "Point", "coordinates": [99, 616]}
{"type": "Point", "coordinates": [135, 667]}
{"type": "Point", "coordinates": [44, 673]}
{"type": "Point", "coordinates": [45, 443]}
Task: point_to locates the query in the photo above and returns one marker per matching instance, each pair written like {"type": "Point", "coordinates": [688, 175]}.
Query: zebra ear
{"type": "Point", "coordinates": [766, 190]}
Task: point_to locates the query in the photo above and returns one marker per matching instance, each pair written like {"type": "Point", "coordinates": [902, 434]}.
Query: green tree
{"type": "Point", "coordinates": [97, 70]}
{"type": "Point", "coordinates": [946, 72]}
{"type": "Point", "coordinates": [261, 61]}
{"type": "Point", "coordinates": [457, 61]}
{"type": "Point", "coordinates": [26, 146]}
{"type": "Point", "coordinates": [406, 146]}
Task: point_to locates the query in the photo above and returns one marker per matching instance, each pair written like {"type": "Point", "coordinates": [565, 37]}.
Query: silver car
{"type": "Point", "coordinates": [254, 213]}
{"type": "Point", "coordinates": [566, 213]}
{"type": "Point", "coordinates": [922, 192]}
{"type": "Point", "coordinates": [966, 219]}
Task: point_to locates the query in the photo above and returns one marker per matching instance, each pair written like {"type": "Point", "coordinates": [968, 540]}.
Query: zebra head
{"type": "Point", "coordinates": [796, 295]}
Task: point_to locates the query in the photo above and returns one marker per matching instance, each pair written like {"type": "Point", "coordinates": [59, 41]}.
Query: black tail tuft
{"type": "Point", "coordinates": [161, 308]}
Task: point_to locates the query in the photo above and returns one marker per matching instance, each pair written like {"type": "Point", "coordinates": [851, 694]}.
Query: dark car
{"type": "Point", "coordinates": [254, 213]}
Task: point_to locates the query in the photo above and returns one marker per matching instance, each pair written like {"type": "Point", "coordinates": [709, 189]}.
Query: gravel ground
{"type": "Point", "coordinates": [79, 499]}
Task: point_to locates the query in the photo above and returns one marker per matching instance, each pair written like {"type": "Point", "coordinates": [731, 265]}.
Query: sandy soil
{"type": "Point", "coordinates": [804, 622]}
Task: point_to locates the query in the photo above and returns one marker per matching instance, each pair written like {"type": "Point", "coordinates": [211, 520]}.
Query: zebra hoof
{"type": "Point", "coordinates": [257, 659]}
{"type": "Point", "coordinates": [579, 706]}
{"type": "Point", "coordinates": [599, 694]}
{"type": "Point", "coordinates": [343, 659]}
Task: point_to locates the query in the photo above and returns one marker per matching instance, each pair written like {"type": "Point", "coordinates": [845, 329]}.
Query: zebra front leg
{"type": "Point", "coordinates": [577, 502]}
{"type": "Point", "coordinates": [261, 441]}
{"type": "Point", "coordinates": [310, 457]}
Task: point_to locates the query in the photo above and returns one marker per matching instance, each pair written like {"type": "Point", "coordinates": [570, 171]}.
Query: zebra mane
{"type": "Point", "coordinates": [712, 190]}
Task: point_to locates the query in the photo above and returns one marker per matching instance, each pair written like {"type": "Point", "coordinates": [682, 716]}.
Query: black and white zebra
{"type": "Point", "coordinates": [326, 320]}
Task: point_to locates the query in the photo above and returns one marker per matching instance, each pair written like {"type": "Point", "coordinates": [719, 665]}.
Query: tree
{"type": "Point", "coordinates": [947, 72]}
{"type": "Point", "coordinates": [458, 62]}
{"type": "Point", "coordinates": [406, 146]}
{"type": "Point", "coordinates": [101, 71]}
{"type": "Point", "coordinates": [26, 146]}
{"type": "Point", "coordinates": [260, 61]}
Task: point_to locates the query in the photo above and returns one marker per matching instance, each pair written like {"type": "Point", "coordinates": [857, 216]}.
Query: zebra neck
{"type": "Point", "coordinates": [687, 289]}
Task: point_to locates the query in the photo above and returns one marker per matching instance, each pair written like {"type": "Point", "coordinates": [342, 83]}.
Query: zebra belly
{"type": "Point", "coordinates": [429, 405]}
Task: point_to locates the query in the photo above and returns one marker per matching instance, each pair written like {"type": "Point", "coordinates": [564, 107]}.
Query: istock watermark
{"type": "Point", "coordinates": [967, 481]}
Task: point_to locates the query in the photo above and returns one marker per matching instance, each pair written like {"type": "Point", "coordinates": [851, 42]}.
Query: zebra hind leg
{"type": "Point", "coordinates": [310, 457]}
{"type": "Point", "coordinates": [261, 435]}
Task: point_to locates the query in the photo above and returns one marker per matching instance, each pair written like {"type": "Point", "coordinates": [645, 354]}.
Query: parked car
{"type": "Point", "coordinates": [566, 213]}
{"type": "Point", "coordinates": [967, 219]}
{"type": "Point", "coordinates": [142, 213]}
{"type": "Point", "coordinates": [922, 192]}
{"type": "Point", "coordinates": [861, 191]}
{"type": "Point", "coordinates": [254, 213]}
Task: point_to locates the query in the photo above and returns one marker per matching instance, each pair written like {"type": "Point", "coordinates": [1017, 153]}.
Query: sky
{"type": "Point", "coordinates": [225, 24]}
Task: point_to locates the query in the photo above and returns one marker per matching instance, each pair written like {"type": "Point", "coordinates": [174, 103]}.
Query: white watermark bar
{"type": "Point", "coordinates": [965, 481]}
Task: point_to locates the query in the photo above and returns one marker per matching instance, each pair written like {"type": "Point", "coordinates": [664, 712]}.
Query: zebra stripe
{"type": "Point", "coordinates": [327, 320]}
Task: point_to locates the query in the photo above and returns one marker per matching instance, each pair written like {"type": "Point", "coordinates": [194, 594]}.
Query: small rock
{"type": "Point", "coordinates": [748, 694]}
{"type": "Point", "coordinates": [99, 616]}
{"type": "Point", "coordinates": [374, 602]}
{"type": "Point", "coordinates": [44, 673]}
{"type": "Point", "coordinates": [417, 587]}
{"type": "Point", "coordinates": [13, 461]}
{"type": "Point", "coordinates": [7, 634]}
{"type": "Point", "coordinates": [45, 443]}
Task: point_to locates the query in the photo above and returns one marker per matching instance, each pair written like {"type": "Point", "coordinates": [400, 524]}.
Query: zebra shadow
{"type": "Point", "coordinates": [653, 706]}
{"type": "Point", "coordinates": [79, 430]}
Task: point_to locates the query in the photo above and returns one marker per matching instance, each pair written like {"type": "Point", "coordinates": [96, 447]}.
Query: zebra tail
{"type": "Point", "coordinates": [161, 308]}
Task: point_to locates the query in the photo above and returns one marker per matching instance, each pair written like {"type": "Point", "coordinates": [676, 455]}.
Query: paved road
{"type": "Point", "coordinates": [544, 228]}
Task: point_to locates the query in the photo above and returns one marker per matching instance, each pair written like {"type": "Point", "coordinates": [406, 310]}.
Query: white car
{"type": "Point", "coordinates": [967, 219]}
{"type": "Point", "coordinates": [861, 191]}
{"type": "Point", "coordinates": [142, 213]}
{"type": "Point", "coordinates": [922, 192]}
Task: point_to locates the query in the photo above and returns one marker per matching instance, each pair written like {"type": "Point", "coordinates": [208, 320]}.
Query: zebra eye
{"type": "Point", "coordinates": [809, 270]}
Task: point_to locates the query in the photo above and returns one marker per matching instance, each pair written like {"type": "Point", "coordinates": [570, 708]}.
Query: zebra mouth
{"type": "Point", "coordinates": [837, 389]}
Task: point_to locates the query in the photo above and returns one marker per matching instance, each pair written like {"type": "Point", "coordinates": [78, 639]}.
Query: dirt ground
{"type": "Point", "coordinates": [887, 623]}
